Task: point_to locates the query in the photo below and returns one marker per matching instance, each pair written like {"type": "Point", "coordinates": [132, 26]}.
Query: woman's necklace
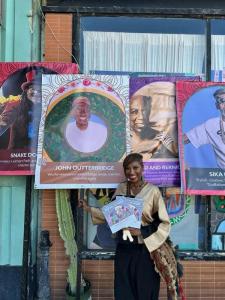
{"type": "Point", "coordinates": [135, 189]}
{"type": "Point", "coordinates": [222, 130]}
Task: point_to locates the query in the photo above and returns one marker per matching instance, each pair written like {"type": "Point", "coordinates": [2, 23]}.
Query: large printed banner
{"type": "Point", "coordinates": [201, 127]}
{"type": "Point", "coordinates": [153, 125]}
{"type": "Point", "coordinates": [20, 110]}
{"type": "Point", "coordinates": [84, 131]}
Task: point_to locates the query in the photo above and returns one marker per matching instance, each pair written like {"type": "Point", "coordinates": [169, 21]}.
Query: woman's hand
{"type": "Point", "coordinates": [134, 231]}
{"type": "Point", "coordinates": [167, 141]}
{"type": "Point", "coordinates": [83, 204]}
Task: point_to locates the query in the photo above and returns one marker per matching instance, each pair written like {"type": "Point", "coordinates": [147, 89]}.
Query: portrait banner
{"type": "Point", "coordinates": [201, 132]}
{"type": "Point", "coordinates": [20, 111]}
{"type": "Point", "coordinates": [83, 131]}
{"type": "Point", "coordinates": [153, 127]}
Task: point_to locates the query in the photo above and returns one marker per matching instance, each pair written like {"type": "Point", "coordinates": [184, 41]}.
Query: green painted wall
{"type": "Point", "coordinates": [12, 204]}
{"type": "Point", "coordinates": [20, 31]}
{"type": "Point", "coordinates": [19, 41]}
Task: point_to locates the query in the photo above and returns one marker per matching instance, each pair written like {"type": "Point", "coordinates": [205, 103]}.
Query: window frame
{"type": "Point", "coordinates": [208, 253]}
{"type": "Point", "coordinates": [76, 51]}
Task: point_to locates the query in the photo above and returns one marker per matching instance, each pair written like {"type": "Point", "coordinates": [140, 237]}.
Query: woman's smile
{"type": "Point", "coordinates": [134, 171]}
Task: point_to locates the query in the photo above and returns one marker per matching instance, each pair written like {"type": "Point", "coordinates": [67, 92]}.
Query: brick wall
{"type": "Point", "coordinates": [58, 37]}
{"type": "Point", "coordinates": [203, 280]}
{"type": "Point", "coordinates": [57, 47]}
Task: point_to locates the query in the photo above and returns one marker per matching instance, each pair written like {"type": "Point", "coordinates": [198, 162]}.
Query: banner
{"type": "Point", "coordinates": [83, 132]}
{"type": "Point", "coordinates": [201, 127]}
{"type": "Point", "coordinates": [20, 110]}
{"type": "Point", "coordinates": [153, 126]}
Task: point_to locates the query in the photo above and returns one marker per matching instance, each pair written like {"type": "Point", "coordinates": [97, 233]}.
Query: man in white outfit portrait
{"type": "Point", "coordinates": [211, 131]}
{"type": "Point", "coordinates": [84, 134]}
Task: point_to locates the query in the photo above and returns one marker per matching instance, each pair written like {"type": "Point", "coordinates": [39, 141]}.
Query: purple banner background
{"type": "Point", "coordinates": [165, 173]}
{"type": "Point", "coordinates": [138, 82]}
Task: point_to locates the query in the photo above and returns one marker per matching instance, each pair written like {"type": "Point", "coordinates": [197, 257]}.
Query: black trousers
{"type": "Point", "coordinates": [135, 276]}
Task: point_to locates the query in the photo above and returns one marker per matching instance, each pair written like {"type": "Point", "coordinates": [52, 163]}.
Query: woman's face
{"type": "Point", "coordinates": [139, 114]}
{"type": "Point", "coordinates": [133, 172]}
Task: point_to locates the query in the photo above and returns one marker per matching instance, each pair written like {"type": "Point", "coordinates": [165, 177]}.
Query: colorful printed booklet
{"type": "Point", "coordinates": [123, 212]}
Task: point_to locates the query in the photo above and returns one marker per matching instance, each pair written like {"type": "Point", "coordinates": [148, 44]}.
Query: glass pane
{"type": "Point", "coordinates": [217, 242]}
{"type": "Point", "coordinates": [98, 236]}
{"type": "Point", "coordinates": [218, 48]}
{"type": "Point", "coordinates": [221, 227]}
{"type": "Point", "coordinates": [142, 45]}
{"type": "Point", "coordinates": [187, 214]}
{"type": "Point", "coordinates": [217, 222]}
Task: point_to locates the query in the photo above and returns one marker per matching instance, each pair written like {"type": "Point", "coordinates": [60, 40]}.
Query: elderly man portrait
{"type": "Point", "coordinates": [83, 133]}
{"type": "Point", "coordinates": [146, 138]}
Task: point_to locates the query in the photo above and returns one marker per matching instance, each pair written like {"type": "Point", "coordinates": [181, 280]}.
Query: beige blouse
{"type": "Point", "coordinates": [153, 202]}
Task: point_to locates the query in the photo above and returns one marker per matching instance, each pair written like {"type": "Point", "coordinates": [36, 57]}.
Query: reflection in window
{"type": "Point", "coordinates": [221, 227]}
{"type": "Point", "coordinates": [218, 45]}
{"type": "Point", "coordinates": [187, 215]}
{"type": "Point", "coordinates": [218, 223]}
{"type": "Point", "coordinates": [99, 236]}
{"type": "Point", "coordinates": [158, 45]}
{"type": "Point", "coordinates": [218, 237]}
{"type": "Point", "coordinates": [217, 242]}
{"type": "Point", "coordinates": [188, 223]}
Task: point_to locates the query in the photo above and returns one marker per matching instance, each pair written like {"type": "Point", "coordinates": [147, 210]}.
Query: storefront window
{"type": "Point", "coordinates": [218, 45]}
{"type": "Point", "coordinates": [187, 216]}
{"type": "Point", "coordinates": [188, 223]}
{"type": "Point", "coordinates": [218, 223]}
{"type": "Point", "coordinates": [98, 236]}
{"type": "Point", "coordinates": [142, 45]}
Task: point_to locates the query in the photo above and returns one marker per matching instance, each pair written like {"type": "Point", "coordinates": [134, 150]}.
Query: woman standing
{"type": "Point", "coordinates": [135, 275]}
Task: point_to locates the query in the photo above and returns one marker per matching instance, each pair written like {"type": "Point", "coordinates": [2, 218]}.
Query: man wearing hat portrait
{"type": "Point", "coordinates": [83, 133]}
{"type": "Point", "coordinates": [212, 131]}
{"type": "Point", "coordinates": [22, 117]}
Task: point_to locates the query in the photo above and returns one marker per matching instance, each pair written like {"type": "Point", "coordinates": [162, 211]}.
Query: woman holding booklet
{"type": "Point", "coordinates": [135, 262]}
